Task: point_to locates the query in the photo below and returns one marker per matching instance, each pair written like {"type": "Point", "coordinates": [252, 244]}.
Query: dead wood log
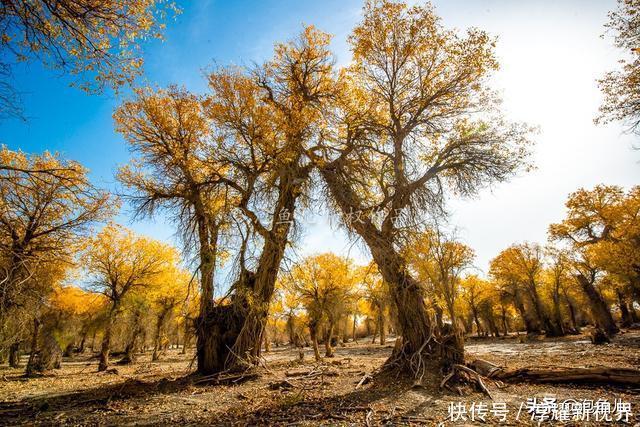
{"type": "Point", "coordinates": [598, 375]}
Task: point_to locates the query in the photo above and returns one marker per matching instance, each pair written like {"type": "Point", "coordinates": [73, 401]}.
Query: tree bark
{"type": "Point", "coordinates": [206, 343]}
{"type": "Point", "coordinates": [328, 348]}
{"type": "Point", "coordinates": [383, 332]}
{"type": "Point", "coordinates": [106, 340]}
{"type": "Point", "coordinates": [14, 355]}
{"type": "Point", "coordinates": [607, 376]}
{"type": "Point", "coordinates": [313, 331]}
{"type": "Point", "coordinates": [531, 326]}
{"type": "Point", "coordinates": [572, 313]}
{"type": "Point", "coordinates": [599, 308]}
{"type": "Point", "coordinates": [474, 310]}
{"type": "Point", "coordinates": [414, 322]}
{"type": "Point", "coordinates": [158, 336]}
{"type": "Point", "coordinates": [557, 314]}
{"type": "Point", "coordinates": [246, 348]}
{"type": "Point", "coordinates": [34, 347]}
{"type": "Point", "coordinates": [354, 329]}
{"type": "Point", "coordinates": [625, 315]}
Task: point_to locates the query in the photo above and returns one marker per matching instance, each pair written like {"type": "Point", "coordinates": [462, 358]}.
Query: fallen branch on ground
{"type": "Point", "coordinates": [598, 375]}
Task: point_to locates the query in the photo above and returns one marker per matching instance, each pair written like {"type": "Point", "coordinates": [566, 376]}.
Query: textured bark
{"type": "Point", "coordinates": [158, 335]}
{"type": "Point", "coordinates": [216, 335]}
{"type": "Point", "coordinates": [106, 341]}
{"type": "Point", "coordinates": [49, 357]}
{"type": "Point", "coordinates": [606, 376]}
{"type": "Point", "coordinates": [599, 308]}
{"type": "Point", "coordinates": [14, 355]}
{"type": "Point", "coordinates": [313, 331]}
{"type": "Point", "coordinates": [551, 328]}
{"type": "Point", "coordinates": [383, 332]}
{"type": "Point", "coordinates": [572, 313]}
{"type": "Point", "coordinates": [205, 343]}
{"type": "Point", "coordinates": [246, 348]}
{"type": "Point", "coordinates": [505, 321]}
{"type": "Point", "coordinates": [530, 324]}
{"type": "Point", "coordinates": [34, 347]}
{"type": "Point", "coordinates": [328, 348]}
{"type": "Point", "coordinates": [625, 314]}
{"type": "Point", "coordinates": [557, 314]}
{"type": "Point", "coordinates": [413, 319]}
{"type": "Point", "coordinates": [474, 311]}
{"type": "Point", "coordinates": [130, 349]}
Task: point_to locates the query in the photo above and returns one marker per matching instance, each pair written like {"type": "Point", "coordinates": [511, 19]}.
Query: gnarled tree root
{"type": "Point", "coordinates": [624, 377]}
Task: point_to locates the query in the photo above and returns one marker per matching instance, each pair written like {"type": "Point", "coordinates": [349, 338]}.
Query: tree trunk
{"type": "Point", "coordinates": [206, 344]}
{"type": "Point", "coordinates": [187, 335]}
{"type": "Point", "coordinates": [266, 340]}
{"type": "Point", "coordinates": [14, 355]}
{"type": "Point", "coordinates": [505, 323]}
{"type": "Point", "coordinates": [106, 341]}
{"type": "Point", "coordinates": [414, 322]}
{"type": "Point", "coordinates": [599, 308]}
{"type": "Point", "coordinates": [328, 348]}
{"type": "Point", "coordinates": [572, 313]}
{"type": "Point", "coordinates": [625, 315]}
{"type": "Point", "coordinates": [158, 336]}
{"type": "Point", "coordinates": [34, 347]}
{"type": "Point", "coordinates": [383, 332]}
{"type": "Point", "coordinates": [557, 314]}
{"type": "Point", "coordinates": [550, 328]}
{"type": "Point", "coordinates": [354, 330]}
{"type": "Point", "coordinates": [474, 310]}
{"type": "Point", "coordinates": [245, 351]}
{"type": "Point", "coordinates": [313, 331]}
{"type": "Point", "coordinates": [531, 326]}
{"type": "Point", "coordinates": [83, 341]}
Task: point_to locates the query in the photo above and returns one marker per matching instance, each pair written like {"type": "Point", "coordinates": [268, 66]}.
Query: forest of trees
{"type": "Point", "coordinates": [383, 143]}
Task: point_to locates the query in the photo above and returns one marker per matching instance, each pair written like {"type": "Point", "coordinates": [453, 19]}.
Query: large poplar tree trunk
{"type": "Point", "coordinates": [14, 355]}
{"type": "Point", "coordinates": [247, 345]}
{"type": "Point", "coordinates": [557, 314]}
{"type": "Point", "coordinates": [158, 335]}
{"type": "Point", "coordinates": [106, 340]}
{"type": "Point", "coordinates": [599, 308]}
{"type": "Point", "coordinates": [625, 314]}
{"type": "Point", "coordinates": [551, 329]}
{"type": "Point", "coordinates": [34, 347]}
{"type": "Point", "coordinates": [328, 338]}
{"type": "Point", "coordinates": [417, 351]}
{"type": "Point", "coordinates": [313, 331]}
{"type": "Point", "coordinates": [383, 332]}
{"type": "Point", "coordinates": [207, 340]}
{"type": "Point", "coordinates": [530, 325]}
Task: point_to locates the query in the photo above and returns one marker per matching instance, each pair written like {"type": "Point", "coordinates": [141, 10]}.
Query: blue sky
{"type": "Point", "coordinates": [550, 53]}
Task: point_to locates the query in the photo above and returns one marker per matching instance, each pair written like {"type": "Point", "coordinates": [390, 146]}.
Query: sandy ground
{"type": "Point", "coordinates": [315, 394]}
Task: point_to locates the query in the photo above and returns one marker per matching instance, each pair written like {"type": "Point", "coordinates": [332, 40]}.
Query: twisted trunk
{"type": "Point", "coordinates": [14, 355]}
{"type": "Point", "coordinates": [34, 347]}
{"type": "Point", "coordinates": [625, 314]}
{"type": "Point", "coordinates": [414, 321]}
{"type": "Point", "coordinates": [158, 336]}
{"type": "Point", "coordinates": [106, 339]}
{"type": "Point", "coordinates": [531, 326]}
{"type": "Point", "coordinates": [246, 348]}
{"type": "Point", "coordinates": [599, 308]}
{"type": "Point", "coordinates": [313, 331]}
{"type": "Point", "coordinates": [207, 344]}
{"type": "Point", "coordinates": [328, 348]}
